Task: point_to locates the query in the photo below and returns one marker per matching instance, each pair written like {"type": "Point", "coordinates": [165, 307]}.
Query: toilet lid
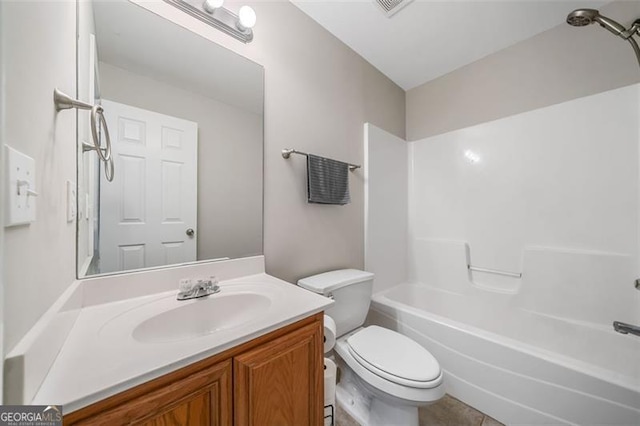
{"type": "Point", "coordinates": [393, 356]}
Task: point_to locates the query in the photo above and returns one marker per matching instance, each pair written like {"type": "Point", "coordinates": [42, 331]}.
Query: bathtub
{"type": "Point", "coordinates": [532, 369]}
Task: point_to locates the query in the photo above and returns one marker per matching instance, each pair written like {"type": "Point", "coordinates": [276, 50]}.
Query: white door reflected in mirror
{"type": "Point", "coordinates": [144, 214]}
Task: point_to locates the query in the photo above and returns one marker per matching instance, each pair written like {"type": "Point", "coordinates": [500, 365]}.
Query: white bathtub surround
{"type": "Point", "coordinates": [85, 360]}
{"type": "Point", "coordinates": [551, 194]}
{"type": "Point", "coordinates": [563, 177]}
{"type": "Point", "coordinates": [386, 198]}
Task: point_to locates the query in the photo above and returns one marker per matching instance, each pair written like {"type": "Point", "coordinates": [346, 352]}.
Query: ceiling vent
{"type": "Point", "coordinates": [391, 7]}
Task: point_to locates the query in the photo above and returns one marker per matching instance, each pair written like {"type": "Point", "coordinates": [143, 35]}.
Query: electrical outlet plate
{"type": "Point", "coordinates": [20, 206]}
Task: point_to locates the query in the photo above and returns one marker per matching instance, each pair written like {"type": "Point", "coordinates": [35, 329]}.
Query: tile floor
{"type": "Point", "coordinates": [446, 412]}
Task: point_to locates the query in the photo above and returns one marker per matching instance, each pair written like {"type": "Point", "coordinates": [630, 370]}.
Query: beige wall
{"type": "Point", "coordinates": [558, 65]}
{"type": "Point", "coordinates": [229, 159]}
{"type": "Point", "coordinates": [39, 54]}
{"type": "Point", "coordinates": [318, 94]}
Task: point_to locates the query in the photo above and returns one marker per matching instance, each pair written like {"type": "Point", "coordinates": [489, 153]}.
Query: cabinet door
{"type": "Point", "coordinates": [280, 382]}
{"type": "Point", "coordinates": [202, 398]}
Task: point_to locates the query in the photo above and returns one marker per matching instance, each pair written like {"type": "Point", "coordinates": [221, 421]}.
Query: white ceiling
{"type": "Point", "coordinates": [139, 41]}
{"type": "Point", "coordinates": [428, 39]}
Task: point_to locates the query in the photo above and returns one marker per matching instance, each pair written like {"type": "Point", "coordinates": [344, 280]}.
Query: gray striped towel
{"type": "Point", "coordinates": [327, 181]}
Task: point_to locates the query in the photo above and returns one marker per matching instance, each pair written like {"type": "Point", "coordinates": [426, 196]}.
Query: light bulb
{"type": "Point", "coordinates": [211, 5]}
{"type": "Point", "coordinates": [246, 18]}
{"type": "Point", "coordinates": [471, 156]}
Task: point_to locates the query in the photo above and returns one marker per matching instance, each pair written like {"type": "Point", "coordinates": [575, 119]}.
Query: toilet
{"type": "Point", "coordinates": [385, 376]}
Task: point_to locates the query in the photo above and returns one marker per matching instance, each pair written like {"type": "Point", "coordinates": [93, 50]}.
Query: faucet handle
{"type": "Point", "coordinates": [211, 283]}
{"type": "Point", "coordinates": [186, 284]}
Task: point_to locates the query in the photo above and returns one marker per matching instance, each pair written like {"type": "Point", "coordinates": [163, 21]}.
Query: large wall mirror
{"type": "Point", "coordinates": [185, 120]}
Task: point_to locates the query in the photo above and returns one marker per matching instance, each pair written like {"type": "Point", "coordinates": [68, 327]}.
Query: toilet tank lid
{"type": "Point", "coordinates": [333, 280]}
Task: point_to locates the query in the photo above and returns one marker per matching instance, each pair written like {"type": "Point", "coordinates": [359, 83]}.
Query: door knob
{"type": "Point", "coordinates": [190, 232]}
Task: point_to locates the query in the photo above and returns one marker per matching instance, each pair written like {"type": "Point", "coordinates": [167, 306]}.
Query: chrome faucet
{"type": "Point", "coordinates": [623, 328]}
{"type": "Point", "coordinates": [202, 288]}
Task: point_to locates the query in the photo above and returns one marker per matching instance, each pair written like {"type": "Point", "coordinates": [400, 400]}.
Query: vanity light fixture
{"type": "Point", "coordinates": [213, 13]}
{"type": "Point", "coordinates": [246, 18]}
{"type": "Point", "coordinates": [210, 6]}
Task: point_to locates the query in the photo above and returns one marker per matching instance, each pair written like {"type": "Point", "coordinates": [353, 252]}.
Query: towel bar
{"type": "Point", "coordinates": [286, 153]}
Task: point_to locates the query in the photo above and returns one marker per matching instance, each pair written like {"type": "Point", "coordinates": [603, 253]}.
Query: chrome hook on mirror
{"type": "Point", "coordinates": [98, 122]}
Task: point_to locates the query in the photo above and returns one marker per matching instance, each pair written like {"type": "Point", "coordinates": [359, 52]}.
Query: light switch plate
{"type": "Point", "coordinates": [20, 191]}
{"type": "Point", "coordinates": [72, 202]}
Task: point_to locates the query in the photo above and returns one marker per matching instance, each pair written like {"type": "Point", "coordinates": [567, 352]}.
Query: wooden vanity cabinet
{"type": "Point", "coordinates": [276, 379]}
{"type": "Point", "coordinates": [281, 382]}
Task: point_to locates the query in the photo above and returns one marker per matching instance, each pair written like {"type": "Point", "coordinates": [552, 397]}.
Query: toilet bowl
{"type": "Point", "coordinates": [385, 376]}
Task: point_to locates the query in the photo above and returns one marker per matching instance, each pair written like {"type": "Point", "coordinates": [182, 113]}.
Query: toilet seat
{"type": "Point", "coordinates": [382, 387]}
{"type": "Point", "coordinates": [394, 357]}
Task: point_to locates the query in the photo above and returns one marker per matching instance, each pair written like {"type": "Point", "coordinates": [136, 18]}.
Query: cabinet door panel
{"type": "Point", "coordinates": [201, 398]}
{"type": "Point", "coordinates": [280, 383]}
{"type": "Point", "coordinates": [194, 411]}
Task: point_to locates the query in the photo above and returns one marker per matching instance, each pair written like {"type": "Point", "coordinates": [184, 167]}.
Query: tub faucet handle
{"type": "Point", "coordinates": [624, 328]}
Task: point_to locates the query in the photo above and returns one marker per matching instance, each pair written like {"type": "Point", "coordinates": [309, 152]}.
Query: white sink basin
{"type": "Point", "coordinates": [202, 317]}
{"type": "Point", "coordinates": [166, 319]}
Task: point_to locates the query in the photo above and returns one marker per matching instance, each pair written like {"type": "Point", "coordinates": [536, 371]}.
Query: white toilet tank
{"type": "Point", "coordinates": [351, 289]}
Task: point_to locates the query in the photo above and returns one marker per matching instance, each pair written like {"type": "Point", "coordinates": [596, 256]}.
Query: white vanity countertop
{"type": "Point", "coordinates": [101, 358]}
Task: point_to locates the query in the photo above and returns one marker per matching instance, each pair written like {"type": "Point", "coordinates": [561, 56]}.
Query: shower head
{"type": "Point", "coordinates": [583, 17]}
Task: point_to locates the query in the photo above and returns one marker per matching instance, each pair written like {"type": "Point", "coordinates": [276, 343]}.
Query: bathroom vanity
{"type": "Point", "coordinates": [124, 350]}
{"type": "Point", "coordinates": [273, 379]}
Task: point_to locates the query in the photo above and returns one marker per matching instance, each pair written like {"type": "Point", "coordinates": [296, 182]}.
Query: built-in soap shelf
{"type": "Point", "coordinates": [495, 271]}
{"type": "Point", "coordinates": [496, 283]}
{"type": "Point", "coordinates": [491, 279]}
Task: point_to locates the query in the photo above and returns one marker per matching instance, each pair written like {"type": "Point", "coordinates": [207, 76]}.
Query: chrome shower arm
{"type": "Point", "coordinates": [636, 49]}
{"type": "Point", "coordinates": [633, 30]}
{"type": "Point", "coordinates": [610, 25]}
